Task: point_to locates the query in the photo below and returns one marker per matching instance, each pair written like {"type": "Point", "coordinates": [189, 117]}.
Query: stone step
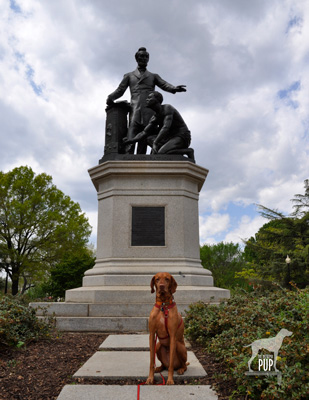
{"type": "Point", "coordinates": [62, 309]}
{"type": "Point", "coordinates": [102, 324]}
{"type": "Point", "coordinates": [119, 308]}
{"type": "Point", "coordinates": [142, 294]}
{"type": "Point", "coordinates": [121, 365]}
{"type": "Point", "coordinates": [133, 342]}
{"type": "Point", "coordinates": [139, 342]}
{"type": "Point", "coordinates": [129, 392]}
{"type": "Point", "coordinates": [144, 280]}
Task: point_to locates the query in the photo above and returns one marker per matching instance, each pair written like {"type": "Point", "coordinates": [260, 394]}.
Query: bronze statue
{"type": "Point", "coordinates": [166, 132]}
{"type": "Point", "coordinates": [141, 83]}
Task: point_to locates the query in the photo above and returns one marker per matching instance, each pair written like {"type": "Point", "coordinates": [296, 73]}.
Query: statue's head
{"type": "Point", "coordinates": [142, 57]}
{"type": "Point", "coordinates": [153, 99]}
{"type": "Point", "coordinates": [158, 96]}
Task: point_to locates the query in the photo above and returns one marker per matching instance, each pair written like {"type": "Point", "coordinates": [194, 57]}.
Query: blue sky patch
{"type": "Point", "coordinates": [296, 21]}
{"type": "Point", "coordinates": [285, 94]}
{"type": "Point", "coordinates": [15, 7]}
{"type": "Point", "coordinates": [235, 211]}
{"type": "Point", "coordinates": [30, 74]}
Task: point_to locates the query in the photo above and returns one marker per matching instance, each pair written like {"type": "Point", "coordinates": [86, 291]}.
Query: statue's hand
{"type": "Point", "coordinates": [155, 148]}
{"type": "Point", "coordinates": [127, 140]}
{"type": "Point", "coordinates": [181, 88]}
{"type": "Point", "coordinates": [109, 101]}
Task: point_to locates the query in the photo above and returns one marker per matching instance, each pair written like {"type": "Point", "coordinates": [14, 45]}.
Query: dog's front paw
{"type": "Point", "coordinates": [149, 381]}
{"type": "Point", "coordinates": [170, 382]}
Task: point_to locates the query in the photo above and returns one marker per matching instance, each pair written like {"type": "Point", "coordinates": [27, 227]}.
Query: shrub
{"type": "Point", "coordinates": [19, 324]}
{"type": "Point", "coordinates": [68, 274]}
{"type": "Point", "coordinates": [38, 293]}
{"type": "Point", "coordinates": [225, 329]}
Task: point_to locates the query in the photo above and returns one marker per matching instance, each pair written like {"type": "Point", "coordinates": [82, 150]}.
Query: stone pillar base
{"type": "Point", "coordinates": [126, 262]}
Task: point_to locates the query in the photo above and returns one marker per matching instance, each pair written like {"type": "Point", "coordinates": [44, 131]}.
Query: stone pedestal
{"type": "Point", "coordinates": [148, 189]}
{"type": "Point", "coordinates": [147, 223]}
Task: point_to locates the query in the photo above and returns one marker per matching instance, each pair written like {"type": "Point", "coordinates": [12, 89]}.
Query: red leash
{"type": "Point", "coordinates": [154, 362]}
{"type": "Point", "coordinates": [165, 309]}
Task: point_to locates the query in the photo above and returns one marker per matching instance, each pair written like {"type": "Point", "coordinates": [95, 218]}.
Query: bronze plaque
{"type": "Point", "coordinates": [148, 226]}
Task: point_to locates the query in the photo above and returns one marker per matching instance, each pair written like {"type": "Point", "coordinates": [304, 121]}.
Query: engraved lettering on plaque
{"type": "Point", "coordinates": [148, 226]}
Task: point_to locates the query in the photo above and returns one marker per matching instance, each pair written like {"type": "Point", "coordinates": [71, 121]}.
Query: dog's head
{"type": "Point", "coordinates": [163, 283]}
{"type": "Point", "coordinates": [285, 332]}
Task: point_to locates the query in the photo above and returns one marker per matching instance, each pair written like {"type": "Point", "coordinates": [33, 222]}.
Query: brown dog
{"type": "Point", "coordinates": [166, 322]}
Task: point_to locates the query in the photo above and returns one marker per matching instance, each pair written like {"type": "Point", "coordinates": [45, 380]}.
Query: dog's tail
{"type": "Point", "coordinates": [248, 345]}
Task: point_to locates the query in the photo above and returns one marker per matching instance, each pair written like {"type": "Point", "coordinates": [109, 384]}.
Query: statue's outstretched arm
{"type": "Point", "coordinates": [162, 84]}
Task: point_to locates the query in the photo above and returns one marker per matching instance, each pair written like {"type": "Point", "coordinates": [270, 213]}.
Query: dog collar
{"type": "Point", "coordinates": [165, 306]}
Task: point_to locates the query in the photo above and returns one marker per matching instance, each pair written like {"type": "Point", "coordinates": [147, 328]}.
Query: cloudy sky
{"type": "Point", "coordinates": [245, 64]}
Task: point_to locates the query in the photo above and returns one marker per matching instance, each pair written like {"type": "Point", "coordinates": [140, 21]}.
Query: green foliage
{"type": "Point", "coordinates": [68, 274]}
{"type": "Point", "coordinates": [225, 329]}
{"type": "Point", "coordinates": [224, 260]}
{"type": "Point", "coordinates": [267, 251]}
{"type": "Point", "coordinates": [247, 273]}
{"type": "Point", "coordinates": [19, 324]}
{"type": "Point", "coordinates": [38, 224]}
{"type": "Point", "coordinates": [282, 236]}
{"type": "Point", "coordinates": [301, 201]}
{"type": "Point", "coordinates": [38, 293]}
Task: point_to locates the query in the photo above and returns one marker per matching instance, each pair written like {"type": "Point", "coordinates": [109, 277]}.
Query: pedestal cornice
{"type": "Point", "coordinates": [183, 169]}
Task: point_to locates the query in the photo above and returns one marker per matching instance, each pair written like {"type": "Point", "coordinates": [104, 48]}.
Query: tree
{"type": "Point", "coordinates": [281, 236]}
{"type": "Point", "coordinates": [267, 251]}
{"type": "Point", "coordinates": [68, 274]}
{"type": "Point", "coordinates": [223, 260]}
{"type": "Point", "coordinates": [38, 224]}
{"type": "Point", "coordinates": [301, 201]}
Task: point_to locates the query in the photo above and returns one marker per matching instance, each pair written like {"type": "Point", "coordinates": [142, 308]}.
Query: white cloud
{"type": "Point", "coordinates": [246, 228]}
{"type": "Point", "coordinates": [212, 225]}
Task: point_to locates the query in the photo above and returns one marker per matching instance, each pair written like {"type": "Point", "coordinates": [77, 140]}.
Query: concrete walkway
{"type": "Point", "coordinates": [127, 357]}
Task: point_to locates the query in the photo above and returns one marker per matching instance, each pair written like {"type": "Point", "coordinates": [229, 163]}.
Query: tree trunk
{"type": "Point", "coordinates": [24, 285]}
{"type": "Point", "coordinates": [15, 281]}
{"type": "Point", "coordinates": [15, 285]}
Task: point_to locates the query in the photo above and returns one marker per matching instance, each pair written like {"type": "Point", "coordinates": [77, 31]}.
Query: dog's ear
{"type": "Point", "coordinates": [152, 283]}
{"type": "Point", "coordinates": [173, 285]}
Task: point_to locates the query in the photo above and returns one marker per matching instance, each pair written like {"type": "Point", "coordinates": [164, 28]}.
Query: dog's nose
{"type": "Point", "coordinates": [161, 286]}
